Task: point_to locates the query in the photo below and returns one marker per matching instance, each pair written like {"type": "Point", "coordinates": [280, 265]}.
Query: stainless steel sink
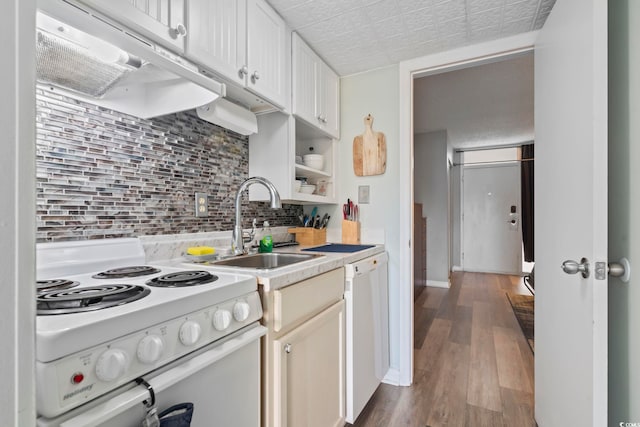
{"type": "Point", "coordinates": [265, 261]}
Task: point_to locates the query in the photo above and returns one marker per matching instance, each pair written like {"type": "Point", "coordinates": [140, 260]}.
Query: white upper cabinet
{"type": "Point", "coordinates": [316, 89]}
{"type": "Point", "coordinates": [218, 36]}
{"type": "Point", "coordinates": [329, 89]}
{"type": "Point", "coordinates": [306, 66]}
{"type": "Point", "coordinates": [244, 41]}
{"type": "Point", "coordinates": [266, 52]}
{"type": "Point", "coordinates": [161, 20]}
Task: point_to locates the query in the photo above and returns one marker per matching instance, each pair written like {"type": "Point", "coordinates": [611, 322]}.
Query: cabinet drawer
{"type": "Point", "coordinates": [303, 300]}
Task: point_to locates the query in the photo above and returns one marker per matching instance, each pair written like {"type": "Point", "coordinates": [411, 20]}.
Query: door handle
{"type": "Point", "coordinates": [621, 269]}
{"type": "Point", "coordinates": [573, 267]}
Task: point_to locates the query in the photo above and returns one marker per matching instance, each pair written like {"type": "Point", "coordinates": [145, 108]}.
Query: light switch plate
{"type": "Point", "coordinates": [363, 194]}
{"type": "Point", "coordinates": [202, 205]}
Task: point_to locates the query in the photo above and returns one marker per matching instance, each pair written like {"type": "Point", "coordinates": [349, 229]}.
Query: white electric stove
{"type": "Point", "coordinates": [106, 318]}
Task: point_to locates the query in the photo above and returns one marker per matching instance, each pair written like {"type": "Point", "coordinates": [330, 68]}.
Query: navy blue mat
{"type": "Point", "coordinates": [338, 247]}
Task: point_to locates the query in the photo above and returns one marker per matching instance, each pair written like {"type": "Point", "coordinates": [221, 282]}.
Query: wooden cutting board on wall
{"type": "Point", "coordinates": [369, 151]}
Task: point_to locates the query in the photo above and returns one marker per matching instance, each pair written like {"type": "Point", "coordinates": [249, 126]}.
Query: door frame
{"type": "Point", "coordinates": [451, 60]}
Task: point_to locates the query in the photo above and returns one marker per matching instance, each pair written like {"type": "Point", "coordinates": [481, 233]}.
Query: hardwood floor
{"type": "Point", "coordinates": [473, 366]}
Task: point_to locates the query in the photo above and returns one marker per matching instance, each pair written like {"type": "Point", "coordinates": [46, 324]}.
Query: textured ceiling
{"type": "Point", "coordinates": [359, 35]}
{"type": "Point", "coordinates": [490, 104]}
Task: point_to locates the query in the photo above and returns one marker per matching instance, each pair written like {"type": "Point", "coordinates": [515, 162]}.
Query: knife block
{"type": "Point", "coordinates": [350, 232]}
{"type": "Point", "coordinates": [308, 236]}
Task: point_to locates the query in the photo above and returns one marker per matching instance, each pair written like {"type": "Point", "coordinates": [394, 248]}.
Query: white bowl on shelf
{"type": "Point", "coordinates": [307, 188]}
{"type": "Point", "coordinates": [298, 185]}
{"type": "Point", "coordinates": [314, 161]}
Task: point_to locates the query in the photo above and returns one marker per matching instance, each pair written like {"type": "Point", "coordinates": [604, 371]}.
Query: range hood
{"type": "Point", "coordinates": [80, 53]}
{"type": "Point", "coordinates": [230, 116]}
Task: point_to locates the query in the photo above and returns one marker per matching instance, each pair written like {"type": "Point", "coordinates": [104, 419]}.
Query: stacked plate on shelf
{"type": "Point", "coordinates": [307, 188]}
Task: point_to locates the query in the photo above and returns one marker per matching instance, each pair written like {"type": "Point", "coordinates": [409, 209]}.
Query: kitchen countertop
{"type": "Point", "coordinates": [271, 280]}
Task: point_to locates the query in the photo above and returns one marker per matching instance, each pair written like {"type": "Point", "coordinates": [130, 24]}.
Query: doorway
{"type": "Point", "coordinates": [473, 318]}
{"type": "Point", "coordinates": [457, 114]}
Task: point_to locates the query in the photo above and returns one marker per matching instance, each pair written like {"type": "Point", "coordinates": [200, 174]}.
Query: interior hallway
{"type": "Point", "coordinates": [473, 366]}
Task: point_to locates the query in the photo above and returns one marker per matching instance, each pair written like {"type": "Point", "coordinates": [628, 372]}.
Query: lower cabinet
{"type": "Point", "coordinates": [303, 353]}
{"type": "Point", "coordinates": [309, 371]}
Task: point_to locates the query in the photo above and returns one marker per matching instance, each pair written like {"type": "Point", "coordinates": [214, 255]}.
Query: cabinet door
{"type": "Point", "coordinates": [306, 66]}
{"type": "Point", "coordinates": [160, 20]}
{"type": "Point", "coordinates": [217, 36]}
{"type": "Point", "coordinates": [266, 60]}
{"type": "Point", "coordinates": [329, 91]}
{"type": "Point", "coordinates": [310, 372]}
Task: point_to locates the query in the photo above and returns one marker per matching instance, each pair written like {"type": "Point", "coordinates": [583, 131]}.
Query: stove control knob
{"type": "Point", "coordinates": [111, 364]}
{"type": "Point", "coordinates": [241, 311]}
{"type": "Point", "coordinates": [150, 349]}
{"type": "Point", "coordinates": [221, 320]}
{"type": "Point", "coordinates": [189, 333]}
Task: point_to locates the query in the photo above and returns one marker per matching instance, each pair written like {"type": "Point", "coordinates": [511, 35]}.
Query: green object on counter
{"type": "Point", "coordinates": [266, 243]}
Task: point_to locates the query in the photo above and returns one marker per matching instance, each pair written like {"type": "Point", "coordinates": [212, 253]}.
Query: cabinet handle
{"type": "Point", "coordinates": [179, 31]}
{"type": "Point", "coordinates": [255, 76]}
{"type": "Point", "coordinates": [287, 348]}
{"type": "Point", "coordinates": [243, 71]}
{"type": "Point", "coordinates": [322, 118]}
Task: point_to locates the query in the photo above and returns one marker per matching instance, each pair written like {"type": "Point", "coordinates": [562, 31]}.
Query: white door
{"type": "Point", "coordinates": [491, 237]}
{"type": "Point", "coordinates": [571, 214]}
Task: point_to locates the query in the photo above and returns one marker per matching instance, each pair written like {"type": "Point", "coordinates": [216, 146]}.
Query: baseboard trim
{"type": "Point", "coordinates": [438, 284]}
{"type": "Point", "coordinates": [457, 268]}
{"type": "Point", "coordinates": [392, 377]}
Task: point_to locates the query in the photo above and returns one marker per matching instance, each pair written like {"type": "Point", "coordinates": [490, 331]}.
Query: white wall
{"type": "Point", "coordinates": [624, 209]}
{"type": "Point", "coordinates": [375, 93]}
{"type": "Point", "coordinates": [17, 213]}
{"type": "Point", "coordinates": [431, 188]}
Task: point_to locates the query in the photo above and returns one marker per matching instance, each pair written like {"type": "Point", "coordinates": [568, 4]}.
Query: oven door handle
{"type": "Point", "coordinates": [122, 402]}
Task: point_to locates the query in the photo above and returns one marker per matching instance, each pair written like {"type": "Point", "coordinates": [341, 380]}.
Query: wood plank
{"type": "Point", "coordinates": [483, 387]}
{"type": "Point", "coordinates": [432, 348]}
{"type": "Point", "coordinates": [461, 325]}
{"type": "Point", "coordinates": [379, 409]}
{"type": "Point", "coordinates": [449, 404]}
{"type": "Point", "coordinates": [466, 297]}
{"type": "Point", "coordinates": [414, 407]}
{"type": "Point", "coordinates": [511, 370]}
{"type": "Point", "coordinates": [434, 297]}
{"type": "Point", "coordinates": [423, 317]}
{"type": "Point", "coordinates": [481, 417]}
{"type": "Point", "coordinates": [483, 314]}
{"type": "Point", "coordinates": [518, 408]}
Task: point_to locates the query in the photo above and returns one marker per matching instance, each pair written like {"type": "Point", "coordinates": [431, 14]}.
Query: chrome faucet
{"type": "Point", "coordinates": [237, 243]}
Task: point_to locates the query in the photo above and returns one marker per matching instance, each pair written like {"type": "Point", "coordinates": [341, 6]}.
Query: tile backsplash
{"type": "Point", "coordinates": [105, 174]}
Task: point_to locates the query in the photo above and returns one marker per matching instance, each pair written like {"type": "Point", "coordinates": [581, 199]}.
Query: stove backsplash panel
{"type": "Point", "coordinates": [104, 174]}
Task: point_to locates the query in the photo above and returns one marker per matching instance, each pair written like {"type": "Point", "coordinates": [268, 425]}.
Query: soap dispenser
{"type": "Point", "coordinates": [266, 243]}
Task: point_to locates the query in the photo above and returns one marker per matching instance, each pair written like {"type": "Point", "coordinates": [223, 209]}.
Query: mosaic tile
{"type": "Point", "coordinates": [103, 174]}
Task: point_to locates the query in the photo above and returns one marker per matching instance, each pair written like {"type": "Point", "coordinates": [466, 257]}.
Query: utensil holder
{"type": "Point", "coordinates": [308, 236]}
{"type": "Point", "coordinates": [350, 232]}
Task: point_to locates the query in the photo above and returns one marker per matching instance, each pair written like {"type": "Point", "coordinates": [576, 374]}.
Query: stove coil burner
{"type": "Point", "coordinates": [183, 279]}
{"type": "Point", "coordinates": [122, 272]}
{"type": "Point", "coordinates": [54, 285]}
{"type": "Point", "coordinates": [88, 299]}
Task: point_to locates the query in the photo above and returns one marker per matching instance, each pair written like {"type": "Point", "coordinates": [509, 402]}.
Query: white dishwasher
{"type": "Point", "coordinates": [367, 311]}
